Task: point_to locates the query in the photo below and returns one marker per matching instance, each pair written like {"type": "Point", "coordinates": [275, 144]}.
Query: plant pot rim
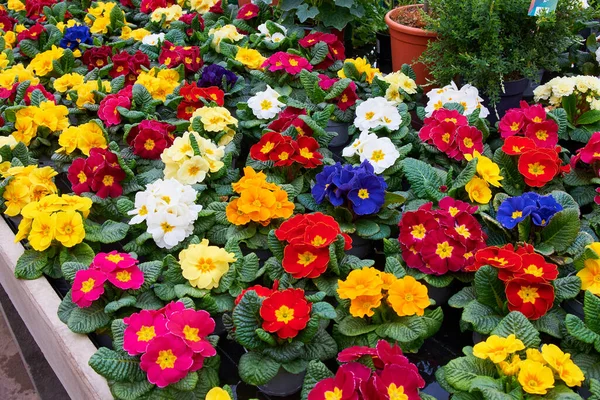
{"type": "Point", "coordinates": [394, 26]}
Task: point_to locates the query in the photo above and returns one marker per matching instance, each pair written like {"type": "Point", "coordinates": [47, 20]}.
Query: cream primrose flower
{"type": "Point", "coordinates": [380, 153]}
{"type": "Point", "coordinates": [377, 111]}
{"type": "Point", "coordinates": [221, 33]}
{"type": "Point", "coordinates": [265, 104]}
{"type": "Point", "coordinates": [169, 210]}
{"type": "Point", "coordinates": [557, 88]}
{"type": "Point", "coordinates": [153, 39]}
{"type": "Point", "coordinates": [399, 80]}
{"type": "Point", "coordinates": [275, 37]}
{"type": "Point", "coordinates": [467, 96]}
{"type": "Point", "coordinates": [357, 146]}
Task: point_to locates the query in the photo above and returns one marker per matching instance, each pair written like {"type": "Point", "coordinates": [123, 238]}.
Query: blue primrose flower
{"type": "Point", "coordinates": [324, 188]}
{"type": "Point", "coordinates": [74, 36]}
{"type": "Point", "coordinates": [514, 210]}
{"type": "Point", "coordinates": [368, 195]}
{"type": "Point", "coordinates": [547, 208]}
{"type": "Point", "coordinates": [215, 75]}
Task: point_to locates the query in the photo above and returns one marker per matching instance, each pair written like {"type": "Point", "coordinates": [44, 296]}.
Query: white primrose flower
{"type": "Point", "coordinates": [153, 39]}
{"type": "Point", "coordinates": [357, 146]}
{"type": "Point", "coordinates": [167, 229]}
{"type": "Point", "coordinates": [467, 96]}
{"type": "Point", "coordinates": [380, 153]}
{"type": "Point", "coordinates": [265, 104]}
{"type": "Point", "coordinates": [276, 37]}
{"type": "Point", "coordinates": [376, 112]}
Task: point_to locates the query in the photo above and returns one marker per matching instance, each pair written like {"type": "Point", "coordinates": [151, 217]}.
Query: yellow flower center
{"type": "Point", "coordinates": [149, 144]}
{"type": "Point", "coordinates": [463, 231]}
{"type": "Point", "coordinates": [284, 314]}
{"type": "Point", "coordinates": [335, 394]}
{"type": "Point", "coordinates": [191, 334]}
{"type": "Point", "coordinates": [534, 270]}
{"type": "Point", "coordinates": [418, 231]}
{"type": "Point", "coordinates": [369, 116]}
{"type": "Point", "coordinates": [444, 250]}
{"type": "Point", "coordinates": [377, 155]}
{"type": "Point", "coordinates": [516, 214]}
{"type": "Point", "coordinates": [396, 392]}
{"type": "Point", "coordinates": [304, 152]}
{"type": "Point", "coordinates": [108, 180]}
{"type": "Point", "coordinates": [284, 155]}
{"type": "Point", "coordinates": [82, 177]}
{"type": "Point", "coordinates": [468, 143]}
{"type": "Point", "coordinates": [363, 194]}
{"type": "Point", "coordinates": [193, 170]}
{"type": "Point", "coordinates": [146, 333]}
{"type": "Point", "coordinates": [318, 241]}
{"type": "Point", "coordinates": [115, 258]}
{"type": "Point", "coordinates": [446, 137]}
{"type": "Point", "coordinates": [528, 294]}
{"type": "Point", "coordinates": [166, 227]}
{"type": "Point", "coordinates": [453, 211]}
{"type": "Point", "coordinates": [514, 127]}
{"type": "Point", "coordinates": [166, 199]}
{"type": "Point", "coordinates": [143, 210]}
{"type": "Point", "coordinates": [205, 264]}
{"type": "Point", "coordinates": [344, 98]}
{"type": "Point", "coordinates": [536, 169]}
{"type": "Point", "coordinates": [409, 297]}
{"type": "Point", "coordinates": [542, 135]}
{"type": "Point", "coordinates": [166, 359]}
{"type": "Point", "coordinates": [597, 278]}
{"type": "Point", "coordinates": [123, 276]}
{"type": "Point", "coordinates": [266, 105]}
{"type": "Point", "coordinates": [306, 258]}
{"type": "Point", "coordinates": [87, 286]}
{"type": "Point", "coordinates": [293, 62]}
{"type": "Point", "coordinates": [537, 120]}
{"type": "Point", "coordinates": [267, 147]}
{"type": "Point", "coordinates": [453, 120]}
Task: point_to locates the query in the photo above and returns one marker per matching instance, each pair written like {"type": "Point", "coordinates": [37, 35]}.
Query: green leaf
{"type": "Point", "coordinates": [315, 373]}
{"type": "Point", "coordinates": [577, 328]}
{"type": "Point", "coordinates": [462, 298]}
{"type": "Point", "coordinates": [275, 245]}
{"type": "Point", "coordinates": [265, 337]}
{"type": "Point", "coordinates": [125, 301]}
{"type": "Point", "coordinates": [461, 372]}
{"type": "Point", "coordinates": [151, 271]}
{"type": "Point", "coordinates": [464, 177]}
{"type": "Point", "coordinates": [324, 310]}
{"type": "Point", "coordinates": [80, 253]}
{"type": "Point", "coordinates": [562, 229]}
{"type": "Point", "coordinates": [87, 320]}
{"type": "Point", "coordinates": [109, 232]}
{"type": "Point", "coordinates": [69, 269]}
{"type": "Point", "coordinates": [148, 301]}
{"type": "Point", "coordinates": [517, 324]}
{"type": "Point", "coordinates": [246, 319]}
{"type": "Point", "coordinates": [366, 227]}
{"type": "Point", "coordinates": [513, 182]}
{"type": "Point", "coordinates": [322, 347]}
{"type": "Point", "coordinates": [488, 288]}
{"type": "Point", "coordinates": [424, 181]}
{"type": "Point", "coordinates": [131, 390]}
{"type": "Point", "coordinates": [117, 366]}
{"type": "Point", "coordinates": [566, 288]}
{"type": "Point", "coordinates": [352, 326]}
{"type": "Point", "coordinates": [257, 369]}
{"type": "Point", "coordinates": [188, 383]}
{"type": "Point", "coordinates": [117, 328]}
{"type": "Point", "coordinates": [30, 264]}
{"type": "Point", "coordinates": [589, 117]}
{"type": "Point", "coordinates": [483, 318]}
{"type": "Point", "coordinates": [591, 309]}
{"type": "Point", "coordinates": [404, 331]}
{"type": "Point", "coordinates": [66, 307]}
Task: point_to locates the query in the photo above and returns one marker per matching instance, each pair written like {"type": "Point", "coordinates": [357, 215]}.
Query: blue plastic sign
{"type": "Point", "coordinates": [542, 6]}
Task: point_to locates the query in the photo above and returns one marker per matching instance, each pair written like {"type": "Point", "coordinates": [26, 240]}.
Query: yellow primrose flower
{"type": "Point", "coordinates": [172, 13]}
{"type": "Point", "coordinates": [202, 6]}
{"type": "Point", "coordinates": [561, 362]}
{"type": "Point", "coordinates": [160, 83]}
{"type": "Point", "coordinates": [70, 23]}
{"type": "Point", "coordinates": [10, 38]}
{"type": "Point", "coordinates": [250, 58]}
{"type": "Point", "coordinates": [362, 66]}
{"type": "Point", "coordinates": [363, 306]}
{"type": "Point", "coordinates": [497, 348]}
{"type": "Point", "coordinates": [535, 378]}
{"type": "Point", "coordinates": [360, 282]}
{"type": "Point", "coordinates": [192, 171]}
{"type": "Point", "coordinates": [69, 228]}
{"type": "Point", "coordinates": [228, 32]}
{"type": "Point", "coordinates": [77, 203]}
{"type": "Point", "coordinates": [486, 168]}
{"type": "Point", "coordinates": [68, 140]}
{"type": "Point", "coordinates": [24, 229]}
{"type": "Point", "coordinates": [214, 119]}
{"type": "Point", "coordinates": [41, 65]}
{"type": "Point", "coordinates": [67, 81]}
{"type": "Point", "coordinates": [91, 136]}
{"type": "Point", "coordinates": [217, 393]}
{"type": "Point", "coordinates": [478, 190]}
{"type": "Point", "coordinates": [401, 80]}
{"type": "Point", "coordinates": [511, 368]}
{"type": "Point", "coordinates": [15, 5]}
{"type": "Point", "coordinates": [590, 276]}
{"type": "Point", "coordinates": [16, 73]}
{"type": "Point", "coordinates": [407, 296]}
{"type": "Point", "coordinates": [52, 116]}
{"type": "Point", "coordinates": [42, 231]}
{"type": "Point", "coordinates": [16, 196]}
{"type": "Point", "coordinates": [137, 34]}
{"type": "Point", "coordinates": [26, 129]}
{"type": "Point", "coordinates": [535, 355]}
{"type": "Point", "coordinates": [4, 61]}
{"type": "Point", "coordinates": [203, 265]}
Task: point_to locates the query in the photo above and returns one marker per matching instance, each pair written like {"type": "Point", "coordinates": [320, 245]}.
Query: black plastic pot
{"type": "Point", "coordinates": [284, 384]}
{"type": "Point", "coordinates": [361, 247]}
{"type": "Point", "coordinates": [439, 294]}
{"type": "Point", "coordinates": [575, 307]}
{"type": "Point", "coordinates": [384, 52]}
{"type": "Point", "coordinates": [513, 94]}
{"type": "Point", "coordinates": [339, 142]}
{"type": "Point", "coordinates": [262, 254]}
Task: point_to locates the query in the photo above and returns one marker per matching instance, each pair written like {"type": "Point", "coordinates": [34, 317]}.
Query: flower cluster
{"type": "Point", "coordinates": [531, 122]}
{"type": "Point", "coordinates": [527, 277]}
{"type": "Point", "coordinates": [359, 188]}
{"type": "Point", "coordinates": [284, 150]}
{"type": "Point", "coordinates": [450, 133]}
{"type": "Point", "coordinates": [27, 184]}
{"type": "Point", "coordinates": [537, 165]}
{"type": "Point", "coordinates": [488, 173]}
{"type": "Point", "coordinates": [191, 158]}
{"type": "Point", "coordinates": [159, 82]}
{"type": "Point", "coordinates": [250, 58]}
{"type": "Point", "coordinates": [400, 85]}
{"type": "Point", "coordinates": [589, 154]}
{"type": "Point", "coordinates": [590, 273]}
{"type": "Point", "coordinates": [173, 56]}
{"type": "Point", "coordinates": [150, 138]}
{"type": "Point", "coordinates": [367, 288]}
{"type": "Point", "coordinates": [309, 237]}
{"type": "Point", "coordinates": [99, 173]}
{"type": "Point", "coordinates": [203, 265]}
{"type": "Point", "coordinates": [584, 87]}
{"type": "Point", "coordinates": [290, 117]}
{"type": "Point", "coordinates": [108, 110]}
{"type": "Point", "coordinates": [260, 201]}
{"type": "Point", "coordinates": [169, 210]}
{"type": "Point", "coordinates": [379, 152]}
{"type": "Point", "coordinates": [46, 115]}
{"type": "Point", "coordinates": [120, 269]}
{"type": "Point", "coordinates": [394, 377]}
{"type": "Point", "coordinates": [467, 96]}
{"type": "Point", "coordinates": [288, 63]}
{"type": "Point", "coordinates": [195, 97]}
{"type": "Point", "coordinates": [442, 240]}
{"type": "Point", "coordinates": [377, 112]}
{"type": "Point", "coordinates": [346, 99]}
{"type": "Point", "coordinates": [285, 312]}
{"type": "Point", "coordinates": [54, 218]}
{"type": "Point", "coordinates": [515, 209]}
{"type": "Point", "coordinates": [362, 66]}
{"type": "Point", "coordinates": [82, 137]}
{"type": "Point", "coordinates": [539, 370]}
{"type": "Point", "coordinates": [334, 45]}
{"type": "Point", "coordinates": [172, 341]}
{"type": "Point", "coordinates": [215, 119]}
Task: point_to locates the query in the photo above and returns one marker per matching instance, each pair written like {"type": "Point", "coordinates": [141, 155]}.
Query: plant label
{"type": "Point", "coordinates": [538, 7]}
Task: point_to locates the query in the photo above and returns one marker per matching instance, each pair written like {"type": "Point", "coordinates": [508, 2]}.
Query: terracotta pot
{"type": "Point", "coordinates": [408, 44]}
{"type": "Point", "coordinates": [244, 2]}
